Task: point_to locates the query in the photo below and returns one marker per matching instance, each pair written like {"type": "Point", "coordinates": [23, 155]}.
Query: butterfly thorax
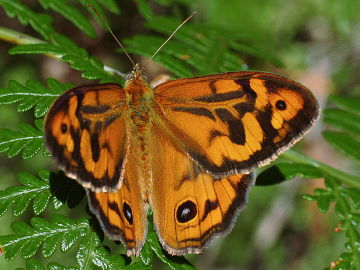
{"type": "Point", "coordinates": [140, 100]}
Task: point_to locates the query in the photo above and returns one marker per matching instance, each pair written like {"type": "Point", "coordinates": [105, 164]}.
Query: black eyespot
{"type": "Point", "coordinates": [186, 212]}
{"type": "Point", "coordinates": [280, 105]}
{"type": "Point", "coordinates": [63, 128]}
{"type": "Point", "coordinates": [128, 213]}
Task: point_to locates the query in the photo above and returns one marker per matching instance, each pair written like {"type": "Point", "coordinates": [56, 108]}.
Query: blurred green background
{"type": "Point", "coordinates": [318, 42]}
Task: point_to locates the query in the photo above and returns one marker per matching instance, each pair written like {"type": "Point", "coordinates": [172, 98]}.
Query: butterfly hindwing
{"type": "Point", "coordinates": [234, 122]}
{"type": "Point", "coordinates": [190, 206]}
{"type": "Point", "coordinates": [86, 133]}
{"type": "Point", "coordinates": [122, 214]}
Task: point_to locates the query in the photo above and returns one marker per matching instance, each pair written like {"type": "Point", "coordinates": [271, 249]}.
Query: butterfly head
{"type": "Point", "coordinates": [135, 74]}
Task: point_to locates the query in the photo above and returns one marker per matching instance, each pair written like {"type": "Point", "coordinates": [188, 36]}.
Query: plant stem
{"type": "Point", "coordinates": [345, 178]}
{"type": "Point", "coordinates": [19, 38]}
{"type": "Point", "coordinates": [16, 37]}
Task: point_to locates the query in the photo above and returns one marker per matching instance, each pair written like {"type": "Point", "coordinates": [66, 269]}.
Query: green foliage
{"type": "Point", "coordinates": [286, 171]}
{"type": "Point", "coordinates": [33, 264]}
{"type": "Point", "coordinates": [192, 45]}
{"type": "Point", "coordinates": [70, 13]}
{"type": "Point", "coordinates": [196, 49]}
{"type": "Point", "coordinates": [40, 22]}
{"type": "Point", "coordinates": [346, 118]}
{"type": "Point", "coordinates": [33, 95]}
{"type": "Point", "coordinates": [32, 188]}
{"type": "Point", "coordinates": [60, 232]}
{"type": "Point", "coordinates": [69, 52]}
{"type": "Point", "coordinates": [27, 140]}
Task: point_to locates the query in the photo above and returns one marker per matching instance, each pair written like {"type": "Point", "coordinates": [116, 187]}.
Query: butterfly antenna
{"type": "Point", "coordinates": [166, 41]}
{"type": "Point", "coordinates": [111, 32]}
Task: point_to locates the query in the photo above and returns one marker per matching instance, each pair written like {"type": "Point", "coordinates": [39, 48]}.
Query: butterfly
{"type": "Point", "coordinates": [187, 149]}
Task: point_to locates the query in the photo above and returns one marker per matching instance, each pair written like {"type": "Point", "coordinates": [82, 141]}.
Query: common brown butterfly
{"type": "Point", "coordinates": [187, 148]}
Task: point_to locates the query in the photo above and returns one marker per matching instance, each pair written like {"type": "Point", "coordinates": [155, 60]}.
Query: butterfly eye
{"type": "Point", "coordinates": [186, 212]}
{"type": "Point", "coordinates": [63, 128]}
{"type": "Point", "coordinates": [129, 76]}
{"type": "Point", "coordinates": [143, 77]}
{"type": "Point", "coordinates": [128, 213]}
{"type": "Point", "coordinates": [280, 105]}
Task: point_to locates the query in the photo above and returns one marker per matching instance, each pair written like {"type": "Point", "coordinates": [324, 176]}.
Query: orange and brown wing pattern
{"type": "Point", "coordinates": [123, 214]}
{"type": "Point", "coordinates": [233, 122]}
{"type": "Point", "coordinates": [85, 132]}
{"type": "Point", "coordinates": [190, 206]}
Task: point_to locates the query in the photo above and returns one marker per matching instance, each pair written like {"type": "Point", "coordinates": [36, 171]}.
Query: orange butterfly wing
{"type": "Point", "coordinates": [123, 213]}
{"type": "Point", "coordinates": [234, 122]}
{"type": "Point", "coordinates": [191, 207]}
{"type": "Point", "coordinates": [86, 133]}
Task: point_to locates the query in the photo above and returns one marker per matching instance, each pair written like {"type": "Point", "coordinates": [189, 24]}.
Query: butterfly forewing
{"type": "Point", "coordinates": [231, 123]}
{"type": "Point", "coordinates": [86, 133]}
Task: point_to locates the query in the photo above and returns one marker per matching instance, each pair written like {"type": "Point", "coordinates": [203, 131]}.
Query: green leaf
{"type": "Point", "coordinates": [343, 120]}
{"type": "Point", "coordinates": [70, 53]}
{"type": "Point", "coordinates": [33, 95]}
{"type": "Point", "coordinates": [27, 140]}
{"type": "Point", "coordinates": [33, 188]}
{"type": "Point", "coordinates": [34, 264]}
{"type": "Point", "coordinates": [70, 13]}
{"type": "Point", "coordinates": [147, 255]}
{"type": "Point", "coordinates": [250, 50]}
{"type": "Point", "coordinates": [110, 5]}
{"type": "Point", "coordinates": [352, 195]}
{"type": "Point", "coordinates": [346, 212]}
{"type": "Point", "coordinates": [40, 22]}
{"type": "Point", "coordinates": [323, 198]}
{"type": "Point", "coordinates": [173, 262]}
{"type": "Point", "coordinates": [348, 103]}
{"type": "Point", "coordinates": [168, 57]}
{"type": "Point", "coordinates": [144, 9]}
{"type": "Point", "coordinates": [91, 253]}
{"type": "Point", "coordinates": [192, 50]}
{"type": "Point", "coordinates": [283, 171]}
{"type": "Point", "coordinates": [344, 143]}
{"type": "Point", "coordinates": [195, 46]}
{"type": "Point", "coordinates": [27, 239]}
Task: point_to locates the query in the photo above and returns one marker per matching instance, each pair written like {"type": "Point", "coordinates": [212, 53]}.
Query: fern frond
{"type": "Point", "coordinates": [60, 232]}
{"type": "Point", "coordinates": [39, 21]}
{"type": "Point", "coordinates": [347, 207]}
{"type": "Point", "coordinates": [345, 118]}
{"type": "Point", "coordinates": [92, 253]}
{"type": "Point", "coordinates": [322, 197]}
{"type": "Point", "coordinates": [71, 13]}
{"type": "Point", "coordinates": [33, 95]}
{"type": "Point", "coordinates": [33, 189]}
{"type": "Point", "coordinates": [69, 52]}
{"type": "Point", "coordinates": [34, 264]}
{"type": "Point", "coordinates": [173, 262]}
{"type": "Point", "coordinates": [144, 9]}
{"type": "Point", "coordinates": [195, 51]}
{"type": "Point", "coordinates": [27, 140]}
{"type": "Point", "coordinates": [110, 5]}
